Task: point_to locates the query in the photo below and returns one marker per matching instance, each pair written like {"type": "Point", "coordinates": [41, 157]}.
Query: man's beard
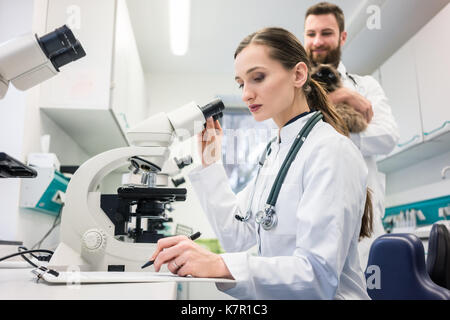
{"type": "Point", "coordinates": [333, 57]}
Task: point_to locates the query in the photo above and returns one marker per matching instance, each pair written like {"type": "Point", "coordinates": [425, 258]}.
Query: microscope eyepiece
{"type": "Point", "coordinates": [61, 47]}
{"type": "Point", "coordinates": [213, 109]}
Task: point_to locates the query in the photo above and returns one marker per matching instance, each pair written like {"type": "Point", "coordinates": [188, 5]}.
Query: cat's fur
{"type": "Point", "coordinates": [330, 79]}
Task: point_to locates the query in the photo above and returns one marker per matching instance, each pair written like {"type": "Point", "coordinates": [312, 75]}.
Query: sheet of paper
{"type": "Point", "coordinates": [118, 277]}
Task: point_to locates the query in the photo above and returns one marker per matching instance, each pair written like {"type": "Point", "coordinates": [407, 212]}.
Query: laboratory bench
{"type": "Point", "coordinates": [22, 284]}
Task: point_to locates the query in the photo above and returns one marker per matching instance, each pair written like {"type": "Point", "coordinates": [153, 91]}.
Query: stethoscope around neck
{"type": "Point", "coordinates": [267, 217]}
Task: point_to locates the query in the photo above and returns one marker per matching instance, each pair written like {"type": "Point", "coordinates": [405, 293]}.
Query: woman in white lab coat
{"type": "Point", "coordinates": [322, 211]}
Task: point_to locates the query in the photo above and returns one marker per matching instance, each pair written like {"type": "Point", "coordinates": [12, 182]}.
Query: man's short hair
{"type": "Point", "coordinates": [327, 8]}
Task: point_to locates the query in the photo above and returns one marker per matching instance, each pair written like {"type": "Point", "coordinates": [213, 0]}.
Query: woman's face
{"type": "Point", "coordinates": [268, 89]}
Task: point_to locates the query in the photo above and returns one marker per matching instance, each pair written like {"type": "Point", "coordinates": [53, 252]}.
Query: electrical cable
{"type": "Point", "coordinates": [21, 253]}
{"type": "Point", "coordinates": [56, 222]}
{"type": "Point", "coordinates": [25, 258]}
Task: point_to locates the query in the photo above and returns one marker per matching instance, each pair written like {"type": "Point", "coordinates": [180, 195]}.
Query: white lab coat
{"type": "Point", "coordinates": [379, 138]}
{"type": "Point", "coordinates": [312, 252]}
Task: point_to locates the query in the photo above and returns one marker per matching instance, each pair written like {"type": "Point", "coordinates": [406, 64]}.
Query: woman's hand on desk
{"type": "Point", "coordinates": [210, 142]}
{"type": "Point", "coordinates": [184, 257]}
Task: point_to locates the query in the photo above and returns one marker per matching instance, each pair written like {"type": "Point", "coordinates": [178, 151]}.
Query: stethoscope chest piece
{"type": "Point", "coordinates": [267, 218]}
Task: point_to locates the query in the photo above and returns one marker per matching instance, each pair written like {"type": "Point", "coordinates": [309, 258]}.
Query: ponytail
{"type": "Point", "coordinates": [318, 100]}
{"type": "Point", "coordinates": [367, 219]}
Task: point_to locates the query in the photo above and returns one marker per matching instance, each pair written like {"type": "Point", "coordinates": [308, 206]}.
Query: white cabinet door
{"type": "Point", "coordinates": [84, 84]}
{"type": "Point", "coordinates": [79, 98]}
{"type": "Point", "coordinates": [399, 82]}
{"type": "Point", "coordinates": [129, 92]}
{"type": "Point", "coordinates": [432, 47]}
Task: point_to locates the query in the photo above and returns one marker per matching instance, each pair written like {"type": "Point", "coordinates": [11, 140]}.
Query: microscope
{"type": "Point", "coordinates": [95, 229]}
{"type": "Point", "coordinates": [27, 61]}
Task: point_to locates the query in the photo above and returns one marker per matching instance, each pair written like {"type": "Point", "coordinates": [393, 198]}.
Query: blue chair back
{"type": "Point", "coordinates": [400, 261]}
{"type": "Point", "coordinates": [438, 258]}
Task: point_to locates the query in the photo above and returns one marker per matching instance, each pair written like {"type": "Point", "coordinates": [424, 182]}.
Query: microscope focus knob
{"type": "Point", "coordinates": [94, 240]}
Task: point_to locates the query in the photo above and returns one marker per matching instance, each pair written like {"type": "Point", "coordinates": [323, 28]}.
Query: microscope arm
{"type": "Point", "coordinates": [184, 122]}
{"type": "Point", "coordinates": [82, 215]}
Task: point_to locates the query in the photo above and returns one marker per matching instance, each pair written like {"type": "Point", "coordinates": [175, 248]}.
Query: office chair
{"type": "Point", "coordinates": [438, 259]}
{"type": "Point", "coordinates": [400, 261]}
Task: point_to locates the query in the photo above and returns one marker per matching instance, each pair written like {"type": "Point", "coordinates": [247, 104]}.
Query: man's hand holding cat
{"type": "Point", "coordinates": [353, 99]}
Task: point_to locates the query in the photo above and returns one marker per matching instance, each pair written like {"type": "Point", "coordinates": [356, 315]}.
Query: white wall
{"type": "Point", "coordinates": [12, 109]}
{"type": "Point", "coordinates": [420, 174]}
{"type": "Point", "coordinates": [15, 19]}
{"type": "Point", "coordinates": [129, 97]}
{"type": "Point", "coordinates": [169, 91]}
{"type": "Point", "coordinates": [424, 176]}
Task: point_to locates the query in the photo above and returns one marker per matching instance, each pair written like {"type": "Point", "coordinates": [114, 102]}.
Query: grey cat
{"type": "Point", "coordinates": [330, 79]}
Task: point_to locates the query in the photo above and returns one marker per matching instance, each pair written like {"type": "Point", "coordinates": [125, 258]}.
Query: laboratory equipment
{"type": "Point", "coordinates": [29, 60]}
{"type": "Point", "coordinates": [46, 192]}
{"type": "Point", "coordinates": [12, 168]}
{"type": "Point", "coordinates": [107, 232]}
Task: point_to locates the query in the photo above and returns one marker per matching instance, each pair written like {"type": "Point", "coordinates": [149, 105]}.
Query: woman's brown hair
{"type": "Point", "coordinates": [287, 49]}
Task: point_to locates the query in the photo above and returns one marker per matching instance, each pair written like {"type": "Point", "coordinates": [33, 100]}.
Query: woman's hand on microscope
{"type": "Point", "coordinates": [185, 257]}
{"type": "Point", "coordinates": [210, 142]}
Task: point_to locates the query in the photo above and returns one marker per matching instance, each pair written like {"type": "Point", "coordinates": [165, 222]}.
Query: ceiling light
{"type": "Point", "coordinates": [179, 11]}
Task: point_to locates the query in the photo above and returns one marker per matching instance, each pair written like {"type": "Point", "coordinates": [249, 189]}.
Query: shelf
{"type": "Point", "coordinates": [416, 153]}
{"type": "Point", "coordinates": [95, 131]}
{"type": "Point", "coordinates": [430, 209]}
{"type": "Point", "coordinates": [422, 193]}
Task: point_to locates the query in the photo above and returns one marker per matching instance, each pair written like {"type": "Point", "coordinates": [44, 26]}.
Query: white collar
{"type": "Point", "coordinates": [288, 133]}
{"type": "Point", "coordinates": [342, 70]}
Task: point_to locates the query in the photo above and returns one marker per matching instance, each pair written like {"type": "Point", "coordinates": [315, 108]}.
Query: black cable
{"type": "Point", "coordinates": [25, 251]}
{"type": "Point", "coordinates": [21, 253]}
{"type": "Point", "coordinates": [25, 258]}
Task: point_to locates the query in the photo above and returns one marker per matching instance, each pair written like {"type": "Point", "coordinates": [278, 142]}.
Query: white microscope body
{"type": "Point", "coordinates": [88, 241]}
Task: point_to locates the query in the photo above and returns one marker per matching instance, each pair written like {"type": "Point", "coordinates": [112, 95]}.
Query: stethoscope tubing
{"type": "Point", "coordinates": [299, 140]}
{"type": "Point", "coordinates": [276, 187]}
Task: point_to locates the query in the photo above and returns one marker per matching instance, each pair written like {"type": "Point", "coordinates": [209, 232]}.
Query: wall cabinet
{"type": "Point", "coordinates": [433, 67]}
{"type": "Point", "coordinates": [96, 98]}
{"type": "Point", "coordinates": [400, 85]}
{"type": "Point", "coordinates": [415, 81]}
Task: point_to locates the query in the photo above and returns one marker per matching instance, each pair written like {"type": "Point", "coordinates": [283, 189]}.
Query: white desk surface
{"type": "Point", "coordinates": [20, 284]}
